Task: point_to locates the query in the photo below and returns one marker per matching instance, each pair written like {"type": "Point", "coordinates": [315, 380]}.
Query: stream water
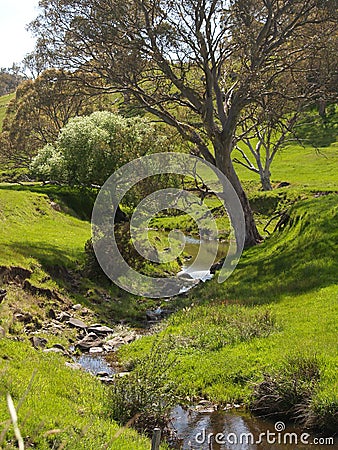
{"type": "Point", "coordinates": [200, 253]}
{"type": "Point", "coordinates": [237, 430]}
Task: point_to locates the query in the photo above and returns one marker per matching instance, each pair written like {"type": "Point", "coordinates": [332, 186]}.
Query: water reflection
{"type": "Point", "coordinates": [221, 430]}
{"type": "Point", "coordinates": [201, 257]}
{"type": "Point", "coordinates": [94, 364]}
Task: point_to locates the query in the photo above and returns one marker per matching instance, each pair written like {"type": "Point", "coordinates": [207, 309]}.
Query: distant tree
{"type": "Point", "coordinates": [9, 79]}
{"type": "Point", "coordinates": [261, 138]}
{"type": "Point", "coordinates": [195, 64]}
{"type": "Point", "coordinates": [42, 107]}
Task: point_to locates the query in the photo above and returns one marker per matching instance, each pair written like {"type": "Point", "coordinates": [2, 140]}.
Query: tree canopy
{"type": "Point", "coordinates": [195, 64]}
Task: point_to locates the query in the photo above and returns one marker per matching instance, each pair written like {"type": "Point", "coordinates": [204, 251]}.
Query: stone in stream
{"type": "Point", "coordinates": [74, 366]}
{"type": "Point", "coordinates": [55, 350]}
{"type": "Point", "coordinates": [77, 323]}
{"type": "Point", "coordinates": [60, 346]}
{"type": "Point", "coordinates": [185, 276]}
{"type": "Point", "coordinates": [89, 341]}
{"type": "Point", "coordinates": [96, 350]}
{"type": "Point", "coordinates": [102, 374]}
{"type": "Point", "coordinates": [106, 380]}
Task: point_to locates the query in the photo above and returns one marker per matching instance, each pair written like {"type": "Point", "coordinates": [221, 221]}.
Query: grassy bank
{"type": "Point", "coordinates": [42, 238]}
{"type": "Point", "coordinates": [280, 303]}
{"type": "Point", "coordinates": [59, 407]}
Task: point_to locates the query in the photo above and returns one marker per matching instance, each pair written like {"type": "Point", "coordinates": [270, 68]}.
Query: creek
{"type": "Point", "coordinates": [200, 258]}
{"type": "Point", "coordinates": [205, 428]}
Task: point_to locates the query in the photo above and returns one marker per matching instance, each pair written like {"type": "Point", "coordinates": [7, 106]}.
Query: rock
{"type": "Point", "coordinates": [100, 330]}
{"type": "Point", "coordinates": [216, 266]}
{"type": "Point", "coordinates": [77, 323]}
{"type": "Point", "coordinates": [51, 314]}
{"type": "Point", "coordinates": [74, 366]}
{"type": "Point", "coordinates": [115, 343]}
{"type": "Point", "coordinates": [60, 346]}
{"type": "Point", "coordinates": [55, 206]}
{"type": "Point", "coordinates": [106, 380]}
{"type": "Point", "coordinates": [154, 315]}
{"type": "Point", "coordinates": [122, 374]}
{"type": "Point", "coordinates": [89, 341]}
{"type": "Point", "coordinates": [38, 342]}
{"type": "Point", "coordinates": [3, 294]}
{"type": "Point", "coordinates": [2, 332]}
{"type": "Point", "coordinates": [77, 307]}
{"type": "Point", "coordinates": [96, 350]}
{"type": "Point", "coordinates": [283, 184]}
{"type": "Point", "coordinates": [54, 350]}
{"type": "Point", "coordinates": [63, 316]}
{"type": "Point", "coordinates": [24, 317]}
{"type": "Point", "coordinates": [102, 374]}
{"type": "Point", "coordinates": [184, 276]}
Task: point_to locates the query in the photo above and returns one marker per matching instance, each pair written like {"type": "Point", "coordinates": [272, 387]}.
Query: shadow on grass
{"type": "Point", "coordinates": [47, 255]}
{"type": "Point", "coordinates": [78, 202]}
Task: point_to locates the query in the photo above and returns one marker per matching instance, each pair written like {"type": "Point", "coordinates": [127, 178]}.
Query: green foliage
{"type": "Point", "coordinates": [90, 148]}
{"type": "Point", "coordinates": [49, 164]}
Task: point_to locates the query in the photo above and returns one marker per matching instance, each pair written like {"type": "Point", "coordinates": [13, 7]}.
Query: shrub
{"type": "Point", "coordinates": [146, 397]}
{"type": "Point", "coordinates": [288, 393]}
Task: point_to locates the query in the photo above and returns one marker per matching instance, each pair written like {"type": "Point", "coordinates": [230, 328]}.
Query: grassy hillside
{"type": "Point", "coordinates": [302, 167]}
{"type": "Point", "coordinates": [59, 405]}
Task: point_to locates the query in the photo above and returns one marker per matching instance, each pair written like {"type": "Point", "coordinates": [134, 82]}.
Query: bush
{"type": "Point", "coordinates": [49, 165]}
{"type": "Point", "coordinates": [146, 397]}
{"type": "Point", "coordinates": [288, 393]}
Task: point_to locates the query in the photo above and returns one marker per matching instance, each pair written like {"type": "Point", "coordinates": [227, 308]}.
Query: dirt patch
{"type": "Point", "coordinates": [14, 274]}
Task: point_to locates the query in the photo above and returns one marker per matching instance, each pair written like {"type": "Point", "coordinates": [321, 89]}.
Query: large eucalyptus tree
{"type": "Point", "coordinates": [194, 64]}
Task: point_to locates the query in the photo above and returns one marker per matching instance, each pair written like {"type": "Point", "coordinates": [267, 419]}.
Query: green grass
{"type": "Point", "coordinates": [302, 167]}
{"type": "Point", "coordinates": [59, 405]}
{"type": "Point", "coordinates": [33, 234]}
{"type": "Point", "coordinates": [280, 303]}
{"type": "Point", "coordinates": [290, 278]}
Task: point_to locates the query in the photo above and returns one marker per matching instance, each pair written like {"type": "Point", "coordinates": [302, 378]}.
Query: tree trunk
{"type": "Point", "coordinates": [265, 180]}
{"type": "Point", "coordinates": [265, 174]}
{"type": "Point", "coordinates": [224, 163]}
